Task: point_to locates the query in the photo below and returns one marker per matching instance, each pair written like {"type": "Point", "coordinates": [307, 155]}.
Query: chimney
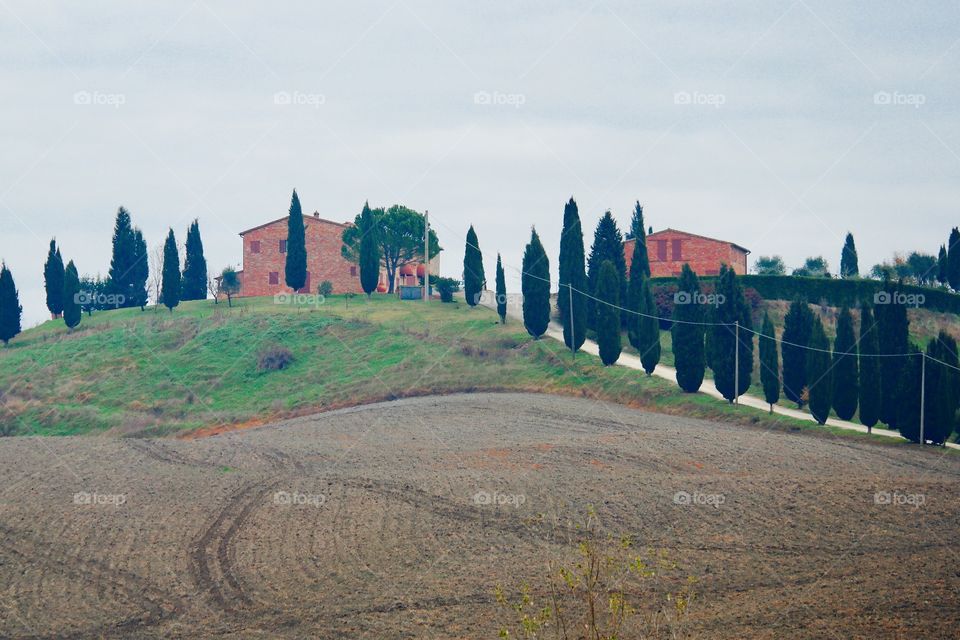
{"type": "Point", "coordinates": [316, 214]}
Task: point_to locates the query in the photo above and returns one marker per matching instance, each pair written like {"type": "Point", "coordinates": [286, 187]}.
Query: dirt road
{"type": "Point", "coordinates": [375, 522]}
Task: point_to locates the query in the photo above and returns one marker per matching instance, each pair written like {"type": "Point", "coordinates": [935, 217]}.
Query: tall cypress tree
{"type": "Point", "coordinates": [640, 257]}
{"type": "Point", "coordinates": [687, 335]}
{"type": "Point", "coordinates": [122, 259]}
{"type": "Point", "coordinates": [72, 312]}
{"type": "Point", "coordinates": [607, 245]}
{"type": "Point", "coordinates": [819, 375]}
{"type": "Point", "coordinates": [53, 280]}
{"type": "Point", "coordinates": [769, 362]}
{"type": "Point", "coordinates": [140, 271]}
{"type": "Point", "coordinates": [10, 309]}
{"type": "Point", "coordinates": [572, 274]}
{"type": "Point", "coordinates": [608, 313]}
{"type": "Point", "coordinates": [796, 334]}
{"type": "Point", "coordinates": [194, 266]}
{"type": "Point", "coordinates": [642, 330]}
{"type": "Point", "coordinates": [731, 308]}
{"type": "Point", "coordinates": [869, 345]}
{"type": "Point", "coordinates": [942, 266]}
{"type": "Point", "coordinates": [649, 335]}
{"type": "Point", "coordinates": [953, 259]}
{"type": "Point", "coordinates": [943, 389]}
{"type": "Point", "coordinates": [369, 254]}
{"type": "Point", "coordinates": [535, 283]}
{"type": "Point", "coordinates": [295, 268]}
{"type": "Point", "coordinates": [501, 292]}
{"type": "Point", "coordinates": [474, 279]}
{"type": "Point", "coordinates": [907, 408]}
{"type": "Point", "coordinates": [849, 267]}
{"type": "Point", "coordinates": [893, 336]}
{"type": "Point", "coordinates": [170, 286]}
{"type": "Point", "coordinates": [845, 372]}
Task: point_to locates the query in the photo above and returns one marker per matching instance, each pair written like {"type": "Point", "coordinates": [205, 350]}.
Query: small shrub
{"type": "Point", "coordinates": [274, 358]}
{"type": "Point", "coordinates": [325, 289]}
{"type": "Point", "coordinates": [446, 287]}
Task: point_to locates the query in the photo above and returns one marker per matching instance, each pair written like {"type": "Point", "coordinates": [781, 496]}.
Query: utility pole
{"type": "Point", "coordinates": [923, 392]}
{"type": "Point", "coordinates": [426, 256]}
{"type": "Point", "coordinates": [736, 365]}
{"type": "Point", "coordinates": [573, 335]}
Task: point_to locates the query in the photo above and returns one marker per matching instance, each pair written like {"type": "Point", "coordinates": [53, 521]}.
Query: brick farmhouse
{"type": "Point", "coordinates": [264, 257]}
{"type": "Point", "coordinates": [669, 249]}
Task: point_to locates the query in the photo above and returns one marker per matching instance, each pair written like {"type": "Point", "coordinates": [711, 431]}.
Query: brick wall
{"type": "Point", "coordinates": [668, 250]}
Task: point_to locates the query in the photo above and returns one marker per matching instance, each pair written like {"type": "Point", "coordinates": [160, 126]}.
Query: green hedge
{"type": "Point", "coordinates": [834, 292]}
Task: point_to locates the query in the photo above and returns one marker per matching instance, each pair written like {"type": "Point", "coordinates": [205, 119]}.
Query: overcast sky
{"type": "Point", "coordinates": [776, 125]}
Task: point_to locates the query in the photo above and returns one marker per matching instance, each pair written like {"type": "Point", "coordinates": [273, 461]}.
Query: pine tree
{"type": "Point", "coordinates": [845, 372]}
{"type": "Point", "coordinates": [796, 334]}
{"type": "Point", "coordinates": [535, 283]}
{"type": "Point", "coordinates": [849, 268]}
{"type": "Point", "coordinates": [53, 280]}
{"type": "Point", "coordinates": [572, 274]}
{"type": "Point", "coordinates": [607, 245]}
{"type": "Point", "coordinates": [869, 345]}
{"type": "Point", "coordinates": [474, 280]}
{"type": "Point", "coordinates": [140, 271]}
{"type": "Point", "coordinates": [942, 266]}
{"type": "Point", "coordinates": [893, 337]}
{"type": "Point", "coordinates": [687, 335]}
{"type": "Point", "coordinates": [943, 389]}
{"type": "Point", "coordinates": [194, 285]}
{"type": "Point", "coordinates": [369, 254]}
{"type": "Point", "coordinates": [295, 268]}
{"type": "Point", "coordinates": [819, 375]}
{"type": "Point", "coordinates": [730, 309]}
{"type": "Point", "coordinates": [72, 312]}
{"type": "Point", "coordinates": [501, 292]}
{"type": "Point", "coordinates": [10, 309]}
{"type": "Point", "coordinates": [608, 313]}
{"type": "Point", "coordinates": [170, 287]}
{"type": "Point", "coordinates": [649, 334]}
{"type": "Point", "coordinates": [953, 259]}
{"type": "Point", "coordinates": [769, 362]}
{"type": "Point", "coordinates": [122, 260]}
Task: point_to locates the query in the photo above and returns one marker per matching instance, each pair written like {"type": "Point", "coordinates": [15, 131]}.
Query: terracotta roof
{"type": "Point", "coordinates": [315, 218]}
{"type": "Point", "coordinates": [695, 235]}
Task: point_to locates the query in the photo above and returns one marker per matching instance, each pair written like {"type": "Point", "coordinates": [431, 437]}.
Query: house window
{"type": "Point", "coordinates": [283, 246]}
{"type": "Point", "coordinates": [254, 246]}
{"type": "Point", "coordinates": [675, 249]}
{"type": "Point", "coordinates": [274, 277]}
{"type": "Point", "coordinates": [353, 271]}
{"type": "Point", "coordinates": [661, 250]}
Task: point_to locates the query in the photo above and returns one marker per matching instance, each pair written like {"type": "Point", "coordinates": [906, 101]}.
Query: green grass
{"type": "Point", "coordinates": [154, 373]}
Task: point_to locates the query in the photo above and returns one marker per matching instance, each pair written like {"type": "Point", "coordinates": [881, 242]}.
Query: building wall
{"type": "Point", "coordinates": [704, 255]}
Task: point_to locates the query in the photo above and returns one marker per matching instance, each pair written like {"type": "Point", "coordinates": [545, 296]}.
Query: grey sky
{"type": "Point", "coordinates": [784, 147]}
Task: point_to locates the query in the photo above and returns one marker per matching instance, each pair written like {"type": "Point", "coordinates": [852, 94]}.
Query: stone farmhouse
{"type": "Point", "coordinates": [669, 249]}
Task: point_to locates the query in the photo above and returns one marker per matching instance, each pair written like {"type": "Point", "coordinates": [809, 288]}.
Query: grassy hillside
{"type": "Point", "coordinates": [152, 372]}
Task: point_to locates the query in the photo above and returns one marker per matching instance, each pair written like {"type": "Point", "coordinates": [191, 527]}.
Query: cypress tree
{"type": "Point", "coordinates": [819, 375]}
{"type": "Point", "coordinates": [10, 309]}
{"type": "Point", "coordinates": [53, 280]}
{"type": "Point", "coordinates": [640, 257]}
{"type": "Point", "coordinates": [796, 334]}
{"type": "Point", "coordinates": [943, 389]}
{"type": "Point", "coordinates": [572, 273]}
{"type": "Point", "coordinates": [642, 330]}
{"type": "Point", "coordinates": [769, 362]}
{"type": "Point", "coordinates": [608, 313]}
{"type": "Point", "coordinates": [474, 279]}
{"type": "Point", "coordinates": [687, 335]}
{"type": "Point", "coordinates": [942, 266]}
{"type": "Point", "coordinates": [71, 303]}
{"type": "Point", "coordinates": [649, 335]}
{"type": "Point", "coordinates": [731, 308]}
{"type": "Point", "coordinates": [849, 268]}
{"type": "Point", "coordinates": [869, 344]}
{"type": "Point", "coordinates": [845, 373]}
{"type": "Point", "coordinates": [535, 284]}
{"type": "Point", "coordinates": [907, 408]}
{"type": "Point", "coordinates": [893, 337]}
{"type": "Point", "coordinates": [122, 259]}
{"type": "Point", "coordinates": [607, 245]}
{"type": "Point", "coordinates": [369, 254]}
{"type": "Point", "coordinates": [953, 259]}
{"type": "Point", "coordinates": [140, 271]}
{"type": "Point", "coordinates": [501, 292]}
{"type": "Point", "coordinates": [295, 268]}
{"type": "Point", "coordinates": [194, 266]}
{"type": "Point", "coordinates": [170, 286]}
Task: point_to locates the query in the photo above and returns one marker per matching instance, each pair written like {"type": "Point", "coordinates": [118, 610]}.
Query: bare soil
{"type": "Point", "coordinates": [385, 538]}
